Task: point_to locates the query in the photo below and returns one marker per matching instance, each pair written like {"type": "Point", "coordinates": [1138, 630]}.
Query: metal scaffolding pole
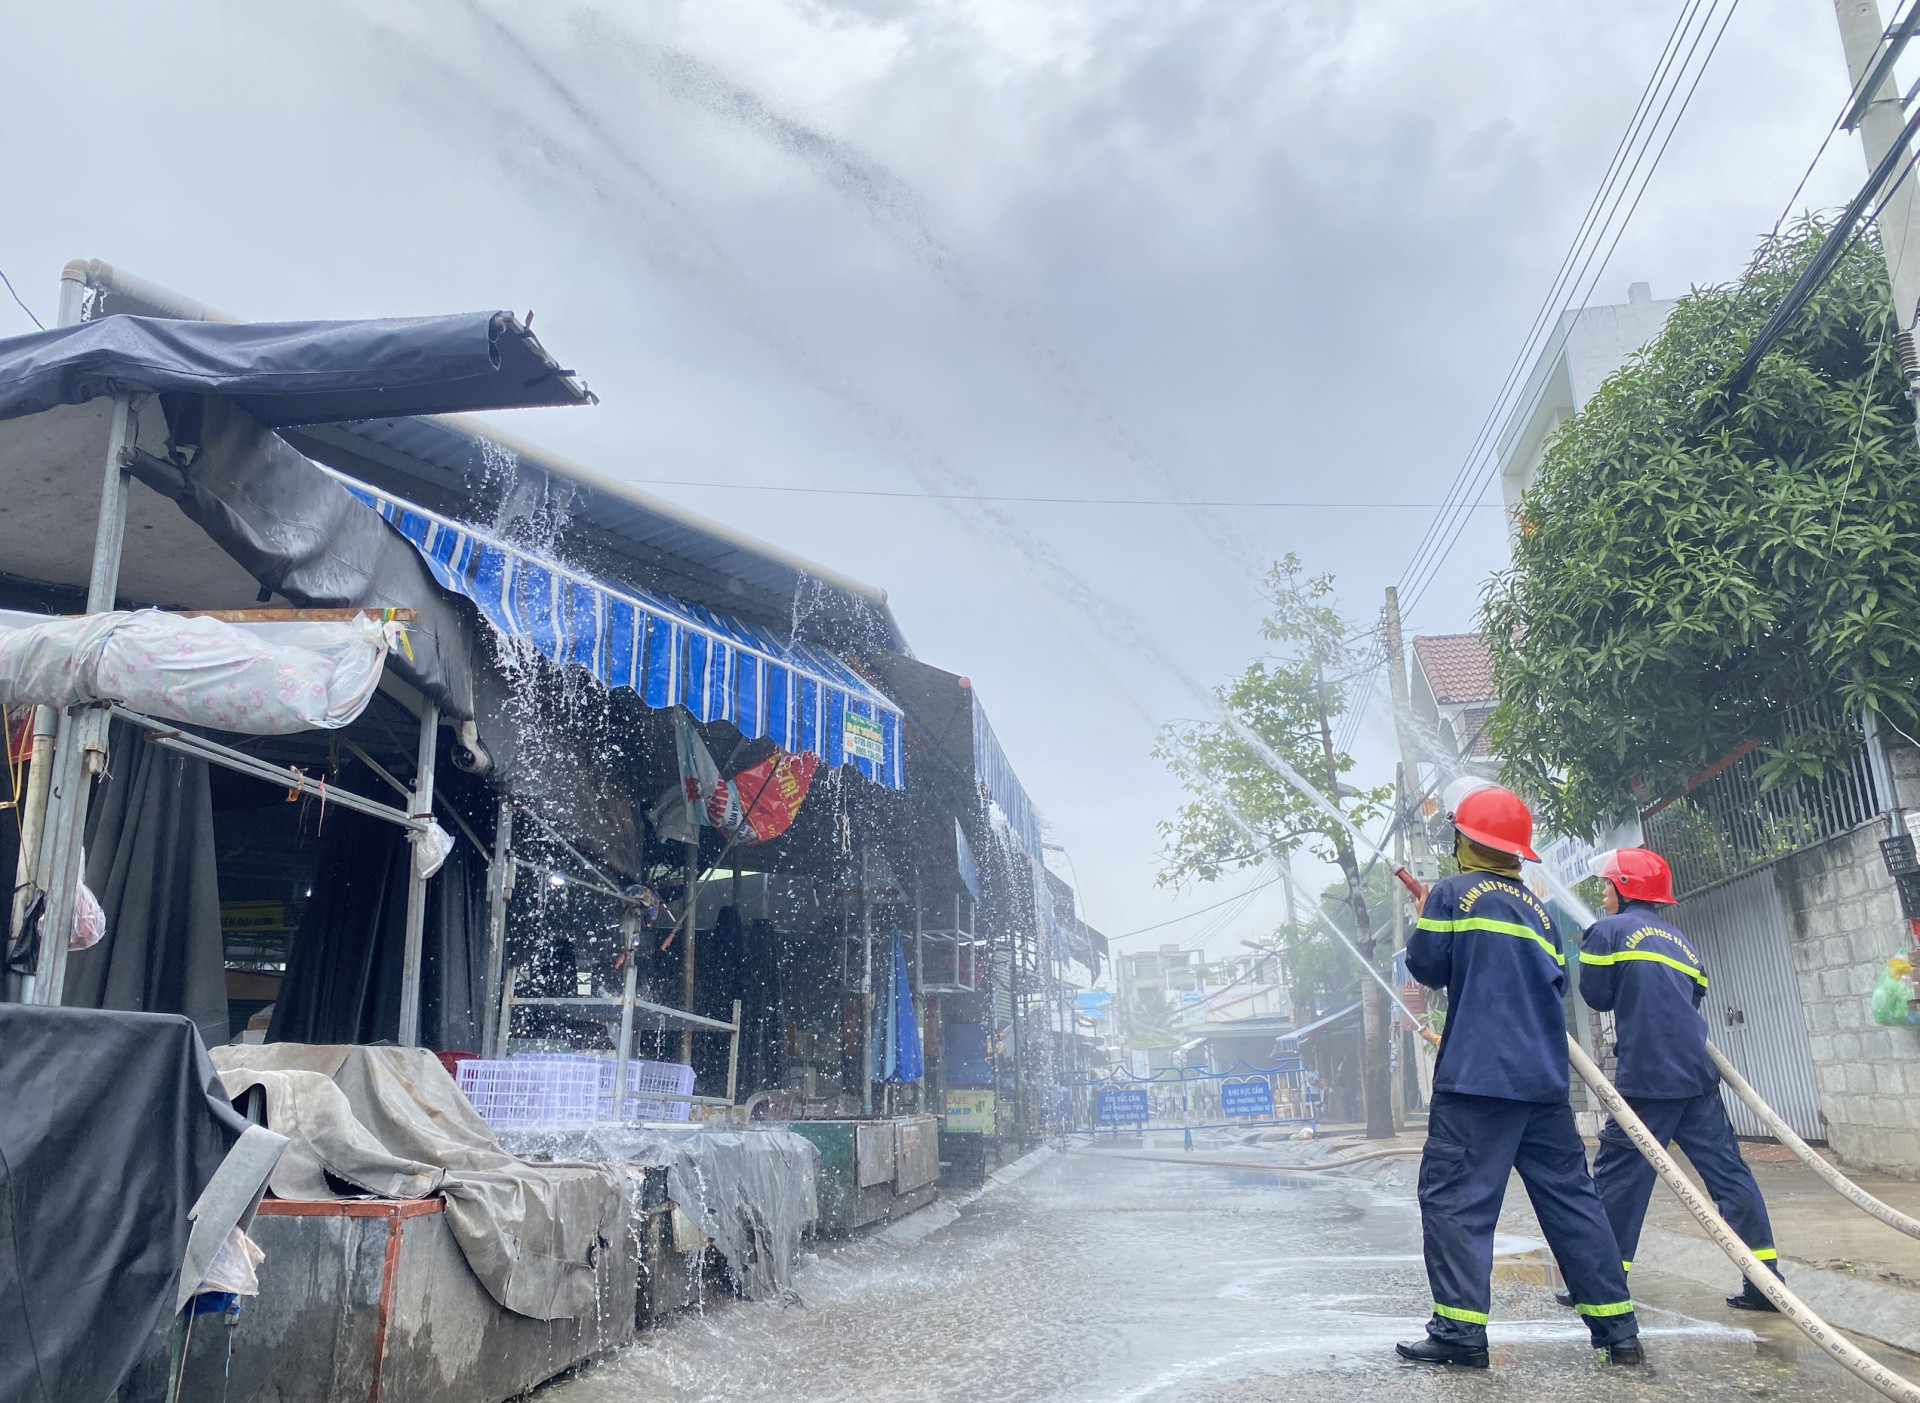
{"type": "Point", "coordinates": [80, 746]}
{"type": "Point", "coordinates": [499, 891]}
{"type": "Point", "coordinates": [421, 807]}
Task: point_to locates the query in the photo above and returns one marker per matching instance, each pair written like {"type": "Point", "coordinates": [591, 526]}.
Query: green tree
{"type": "Point", "coordinates": [1320, 971]}
{"type": "Point", "coordinates": [1690, 565]}
{"type": "Point", "coordinates": [1243, 812]}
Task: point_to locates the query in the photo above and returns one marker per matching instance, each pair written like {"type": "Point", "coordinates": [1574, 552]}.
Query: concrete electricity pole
{"type": "Point", "coordinates": [1881, 122]}
{"type": "Point", "coordinates": [1408, 786]}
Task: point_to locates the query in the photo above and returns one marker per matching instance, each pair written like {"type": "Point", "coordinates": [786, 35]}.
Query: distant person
{"type": "Point", "coordinates": [1500, 1095]}
{"type": "Point", "coordinates": [1635, 963]}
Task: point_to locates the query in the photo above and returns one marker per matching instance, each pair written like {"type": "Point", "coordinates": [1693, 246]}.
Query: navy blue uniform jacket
{"type": "Point", "coordinates": [1491, 945]}
{"type": "Point", "coordinates": [1640, 967]}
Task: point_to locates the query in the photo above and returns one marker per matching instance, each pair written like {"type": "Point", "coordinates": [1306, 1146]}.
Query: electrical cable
{"type": "Point", "coordinates": [1175, 920]}
{"type": "Point", "coordinates": [17, 298]}
{"type": "Point", "coordinates": [1449, 525]}
{"type": "Point", "coordinates": [1846, 230]}
{"type": "Point", "coordinates": [1545, 312]}
{"type": "Point", "coordinates": [1051, 501]}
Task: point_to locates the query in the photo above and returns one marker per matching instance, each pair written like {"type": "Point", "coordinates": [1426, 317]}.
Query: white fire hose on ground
{"type": "Point", "coordinates": [1772, 1287]}
{"type": "Point", "coordinates": [1783, 1132]}
{"type": "Point", "coordinates": [1862, 1365]}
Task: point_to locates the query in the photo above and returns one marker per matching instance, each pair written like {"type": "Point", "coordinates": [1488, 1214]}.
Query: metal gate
{"type": "Point", "coordinates": [1192, 1098]}
{"type": "Point", "coordinates": [1753, 1007]}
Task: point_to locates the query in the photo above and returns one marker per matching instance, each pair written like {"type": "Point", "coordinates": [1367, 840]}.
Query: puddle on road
{"type": "Point", "coordinates": [1098, 1280]}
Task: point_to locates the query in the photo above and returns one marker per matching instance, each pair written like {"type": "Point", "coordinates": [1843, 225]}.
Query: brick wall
{"type": "Point", "coordinates": [1843, 920]}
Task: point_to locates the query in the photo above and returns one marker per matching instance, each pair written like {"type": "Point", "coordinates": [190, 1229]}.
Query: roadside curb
{"type": "Point", "coordinates": [1877, 1309]}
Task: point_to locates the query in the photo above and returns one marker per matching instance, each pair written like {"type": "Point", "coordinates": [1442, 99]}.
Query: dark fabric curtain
{"type": "Point", "coordinates": [739, 963]}
{"type": "Point", "coordinates": [150, 861]}
{"type": "Point", "coordinates": [453, 953]}
{"type": "Point", "coordinates": [343, 974]}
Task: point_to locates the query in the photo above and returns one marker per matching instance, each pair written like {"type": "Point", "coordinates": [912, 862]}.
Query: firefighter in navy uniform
{"type": "Point", "coordinates": [1635, 963]}
{"type": "Point", "coordinates": [1500, 1095]}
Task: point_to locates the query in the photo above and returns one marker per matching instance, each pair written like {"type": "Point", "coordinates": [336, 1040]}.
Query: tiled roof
{"type": "Point", "coordinates": [1457, 667]}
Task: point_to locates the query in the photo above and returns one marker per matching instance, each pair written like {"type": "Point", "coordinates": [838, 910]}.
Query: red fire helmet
{"type": "Point", "coordinates": [1638, 874]}
{"type": "Point", "coordinates": [1497, 818]}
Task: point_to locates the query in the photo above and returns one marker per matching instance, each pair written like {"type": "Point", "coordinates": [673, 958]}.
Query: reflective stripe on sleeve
{"type": "Point", "coordinates": [1766, 1254]}
{"type": "Point", "coordinates": [1471, 1317]}
{"type": "Point", "coordinates": [1619, 955]}
{"type": "Point", "coordinates": [1487, 923]}
{"type": "Point", "coordinates": [1616, 1308]}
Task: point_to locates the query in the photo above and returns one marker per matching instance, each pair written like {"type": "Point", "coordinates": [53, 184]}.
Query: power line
{"type": "Point", "coordinates": [16, 297]}
{"type": "Point", "coordinates": [1054, 501]}
{"type": "Point", "coordinates": [1544, 312]}
{"type": "Point", "coordinates": [1422, 573]}
{"type": "Point", "coordinates": [1431, 569]}
{"type": "Point", "coordinates": [1199, 911]}
{"type": "Point", "coordinates": [1839, 239]}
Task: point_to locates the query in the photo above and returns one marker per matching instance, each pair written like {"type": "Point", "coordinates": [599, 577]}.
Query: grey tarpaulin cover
{"type": "Point", "coordinates": [113, 1128]}
{"type": "Point", "coordinates": [390, 1121]}
{"type": "Point", "coordinates": [302, 535]}
{"type": "Point", "coordinates": [286, 373]}
{"type": "Point", "coordinates": [751, 1191]}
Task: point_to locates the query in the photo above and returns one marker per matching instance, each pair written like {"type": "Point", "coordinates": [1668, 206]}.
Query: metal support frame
{"type": "Point", "coordinates": [80, 745]}
{"type": "Point", "coordinates": [168, 736]}
{"type": "Point", "coordinates": [866, 988]}
{"type": "Point", "coordinates": [500, 877]}
{"type": "Point", "coordinates": [32, 813]}
{"type": "Point", "coordinates": [687, 944]}
{"type": "Point", "coordinates": [421, 807]}
{"type": "Point", "coordinates": [629, 1004]}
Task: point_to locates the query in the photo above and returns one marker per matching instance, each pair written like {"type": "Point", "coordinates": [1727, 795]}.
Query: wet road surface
{"type": "Point", "coordinates": [1098, 1279]}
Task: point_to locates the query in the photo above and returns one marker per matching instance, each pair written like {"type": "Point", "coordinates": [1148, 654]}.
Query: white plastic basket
{"type": "Point", "coordinates": [660, 1078]}
{"type": "Point", "coordinates": [672, 1078]}
{"type": "Point", "coordinates": [527, 1091]}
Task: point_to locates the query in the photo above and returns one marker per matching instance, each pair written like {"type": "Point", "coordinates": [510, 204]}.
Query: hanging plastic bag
{"type": "Point", "coordinates": [234, 1267]}
{"type": "Point", "coordinates": [1896, 1000]}
{"type": "Point", "coordinates": [430, 848]}
{"type": "Point", "coordinates": [89, 921]}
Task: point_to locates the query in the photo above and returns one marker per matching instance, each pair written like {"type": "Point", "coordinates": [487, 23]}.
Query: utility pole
{"type": "Point", "coordinates": [1402, 1040]}
{"type": "Point", "coordinates": [1880, 124]}
{"type": "Point", "coordinates": [1407, 792]}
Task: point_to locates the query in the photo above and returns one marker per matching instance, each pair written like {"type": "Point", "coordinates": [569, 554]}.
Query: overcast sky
{"type": "Point", "coordinates": [1233, 250]}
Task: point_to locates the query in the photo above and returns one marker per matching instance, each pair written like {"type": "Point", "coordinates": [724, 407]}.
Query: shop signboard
{"type": "Point", "coordinates": [864, 738]}
{"type": "Point", "coordinates": [1123, 1105]}
{"type": "Point", "coordinates": [1251, 1097]}
{"type": "Point", "coordinates": [969, 1113]}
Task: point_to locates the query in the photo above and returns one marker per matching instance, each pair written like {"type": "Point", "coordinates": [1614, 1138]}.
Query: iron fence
{"type": "Point", "coordinates": [1191, 1099]}
{"type": "Point", "coordinates": [1729, 825]}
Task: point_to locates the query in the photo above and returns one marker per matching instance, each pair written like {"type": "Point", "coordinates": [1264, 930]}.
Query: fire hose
{"type": "Point", "coordinates": [1783, 1132]}
{"type": "Point", "coordinates": [1864, 1367]}
{"type": "Point", "coordinates": [1856, 1360]}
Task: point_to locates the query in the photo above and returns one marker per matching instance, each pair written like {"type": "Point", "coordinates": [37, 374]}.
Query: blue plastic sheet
{"type": "Point", "coordinates": [285, 373]}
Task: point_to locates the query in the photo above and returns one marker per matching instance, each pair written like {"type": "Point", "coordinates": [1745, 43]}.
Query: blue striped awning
{"type": "Point", "coordinates": [668, 651]}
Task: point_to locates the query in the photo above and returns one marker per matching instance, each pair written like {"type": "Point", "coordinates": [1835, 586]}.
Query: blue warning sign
{"type": "Point", "coordinates": [1252, 1098]}
{"type": "Point", "coordinates": [1123, 1107]}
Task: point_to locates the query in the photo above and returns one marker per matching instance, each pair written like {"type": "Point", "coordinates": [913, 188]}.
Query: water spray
{"type": "Point", "coordinates": [1286, 875]}
{"type": "Point", "coordinates": [1736, 1250]}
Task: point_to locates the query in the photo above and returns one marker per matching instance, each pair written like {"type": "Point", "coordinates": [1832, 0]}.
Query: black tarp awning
{"type": "Point", "coordinates": [287, 373]}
